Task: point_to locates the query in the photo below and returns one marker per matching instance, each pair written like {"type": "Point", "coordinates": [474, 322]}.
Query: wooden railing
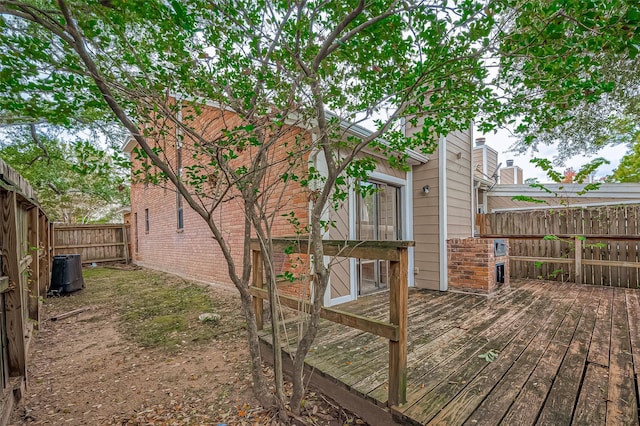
{"type": "Point", "coordinates": [577, 259]}
{"type": "Point", "coordinates": [396, 330]}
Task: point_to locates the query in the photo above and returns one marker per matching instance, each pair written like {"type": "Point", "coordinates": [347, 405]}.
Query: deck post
{"type": "Point", "coordinates": [578, 257]}
{"type": "Point", "coordinates": [398, 295]}
{"type": "Point", "coordinates": [44, 256]}
{"type": "Point", "coordinates": [258, 304]}
{"type": "Point", "coordinates": [125, 241]}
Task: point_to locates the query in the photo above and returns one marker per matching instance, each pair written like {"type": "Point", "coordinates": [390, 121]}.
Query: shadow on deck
{"type": "Point", "coordinates": [566, 354]}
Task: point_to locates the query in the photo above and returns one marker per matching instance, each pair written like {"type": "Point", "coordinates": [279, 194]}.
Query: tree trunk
{"type": "Point", "coordinates": [260, 388]}
{"type": "Point", "coordinates": [311, 329]}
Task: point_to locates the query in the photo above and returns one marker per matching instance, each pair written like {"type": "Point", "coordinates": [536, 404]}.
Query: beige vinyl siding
{"type": "Point", "coordinates": [425, 224]}
{"type": "Point", "coordinates": [477, 162]}
{"type": "Point", "coordinates": [480, 171]}
{"type": "Point", "coordinates": [340, 285]}
{"type": "Point", "coordinates": [459, 185]}
{"type": "Point", "coordinates": [519, 179]}
{"type": "Point", "coordinates": [492, 162]}
{"type": "Point", "coordinates": [385, 168]}
{"type": "Point", "coordinates": [506, 176]}
{"type": "Point", "coordinates": [426, 206]}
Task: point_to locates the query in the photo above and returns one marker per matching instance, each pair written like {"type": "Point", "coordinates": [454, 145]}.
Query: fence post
{"type": "Point", "coordinates": [125, 241]}
{"type": "Point", "coordinates": [258, 303]}
{"type": "Point", "coordinates": [34, 278]}
{"type": "Point", "coordinates": [398, 299]}
{"type": "Point", "coordinates": [578, 259]}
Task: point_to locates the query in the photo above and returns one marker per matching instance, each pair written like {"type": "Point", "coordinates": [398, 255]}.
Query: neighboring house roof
{"type": "Point", "coordinates": [606, 194]}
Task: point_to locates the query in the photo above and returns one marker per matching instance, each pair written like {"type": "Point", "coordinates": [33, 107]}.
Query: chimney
{"type": "Point", "coordinates": [509, 163]}
{"type": "Point", "coordinates": [480, 141]}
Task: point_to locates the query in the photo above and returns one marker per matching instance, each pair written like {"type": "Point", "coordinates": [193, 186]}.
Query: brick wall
{"type": "Point", "coordinates": [191, 251]}
{"type": "Point", "coordinates": [472, 265]}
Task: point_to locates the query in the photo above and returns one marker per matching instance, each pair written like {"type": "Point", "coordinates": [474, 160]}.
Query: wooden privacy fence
{"type": "Point", "coordinates": [396, 330]}
{"type": "Point", "coordinates": [26, 270]}
{"type": "Point", "coordinates": [595, 245]}
{"type": "Point", "coordinates": [95, 243]}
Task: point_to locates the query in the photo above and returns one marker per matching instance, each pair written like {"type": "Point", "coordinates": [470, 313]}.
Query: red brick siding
{"type": "Point", "coordinates": [192, 251]}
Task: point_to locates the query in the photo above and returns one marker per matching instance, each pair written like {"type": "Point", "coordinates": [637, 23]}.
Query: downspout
{"type": "Point", "coordinates": [474, 191]}
{"type": "Point", "coordinates": [442, 190]}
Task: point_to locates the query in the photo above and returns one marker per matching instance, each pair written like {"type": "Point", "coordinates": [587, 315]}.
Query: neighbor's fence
{"type": "Point", "coordinates": [26, 268]}
{"type": "Point", "coordinates": [95, 243]}
{"type": "Point", "coordinates": [596, 245]}
{"type": "Point", "coordinates": [396, 330]}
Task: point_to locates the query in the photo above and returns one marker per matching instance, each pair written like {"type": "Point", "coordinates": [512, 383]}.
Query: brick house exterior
{"type": "Point", "coordinates": [433, 204]}
{"type": "Point", "coordinates": [168, 235]}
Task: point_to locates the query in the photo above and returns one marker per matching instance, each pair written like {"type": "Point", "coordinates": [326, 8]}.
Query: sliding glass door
{"type": "Point", "coordinates": [378, 219]}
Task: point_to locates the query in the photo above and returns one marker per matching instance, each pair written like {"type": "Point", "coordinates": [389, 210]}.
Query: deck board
{"type": "Point", "coordinates": [622, 408]}
{"type": "Point", "coordinates": [568, 354]}
{"type": "Point", "coordinates": [492, 410]}
{"type": "Point", "coordinates": [558, 408]}
{"type": "Point", "coordinates": [531, 398]}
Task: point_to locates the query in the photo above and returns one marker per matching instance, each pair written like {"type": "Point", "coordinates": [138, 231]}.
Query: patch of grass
{"type": "Point", "coordinates": [155, 309]}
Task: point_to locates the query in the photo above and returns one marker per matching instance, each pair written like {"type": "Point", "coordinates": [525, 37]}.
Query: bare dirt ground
{"type": "Point", "coordinates": [139, 356]}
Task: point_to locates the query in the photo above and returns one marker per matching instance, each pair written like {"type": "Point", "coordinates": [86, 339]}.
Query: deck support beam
{"type": "Point", "coordinates": [398, 300]}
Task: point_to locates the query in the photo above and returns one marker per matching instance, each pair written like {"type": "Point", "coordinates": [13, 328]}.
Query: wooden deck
{"type": "Point", "coordinates": [568, 354]}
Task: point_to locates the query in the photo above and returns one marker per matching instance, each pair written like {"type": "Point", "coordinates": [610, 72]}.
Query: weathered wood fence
{"type": "Point", "coordinates": [396, 330]}
{"type": "Point", "coordinates": [595, 245]}
{"type": "Point", "coordinates": [95, 243]}
{"type": "Point", "coordinates": [26, 271]}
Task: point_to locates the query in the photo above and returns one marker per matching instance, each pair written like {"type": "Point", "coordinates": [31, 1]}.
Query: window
{"type": "Point", "coordinates": [180, 211]}
{"type": "Point", "coordinates": [146, 221]}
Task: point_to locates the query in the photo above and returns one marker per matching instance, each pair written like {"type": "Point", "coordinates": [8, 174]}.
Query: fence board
{"type": "Point", "coordinates": [614, 263]}
{"type": "Point", "coordinates": [632, 253]}
{"type": "Point", "coordinates": [94, 243]}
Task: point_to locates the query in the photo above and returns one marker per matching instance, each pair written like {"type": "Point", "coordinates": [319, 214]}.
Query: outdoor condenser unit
{"type": "Point", "coordinates": [66, 274]}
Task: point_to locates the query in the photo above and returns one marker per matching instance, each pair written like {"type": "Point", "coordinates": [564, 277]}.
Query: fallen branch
{"type": "Point", "coordinates": [68, 314]}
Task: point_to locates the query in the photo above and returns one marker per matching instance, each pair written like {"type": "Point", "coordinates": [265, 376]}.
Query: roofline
{"type": "Point", "coordinates": [572, 206]}
{"type": "Point", "coordinates": [606, 190]}
{"type": "Point", "coordinates": [352, 128]}
{"type": "Point", "coordinates": [363, 132]}
{"type": "Point", "coordinates": [483, 147]}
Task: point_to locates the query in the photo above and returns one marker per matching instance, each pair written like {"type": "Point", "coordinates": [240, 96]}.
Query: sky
{"type": "Point", "coordinates": [502, 141]}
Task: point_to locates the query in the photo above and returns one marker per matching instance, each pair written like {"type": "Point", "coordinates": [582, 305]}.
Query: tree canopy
{"type": "Point", "coordinates": [281, 65]}
{"type": "Point", "coordinates": [75, 181]}
{"type": "Point", "coordinates": [629, 168]}
{"type": "Point", "coordinates": [586, 117]}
